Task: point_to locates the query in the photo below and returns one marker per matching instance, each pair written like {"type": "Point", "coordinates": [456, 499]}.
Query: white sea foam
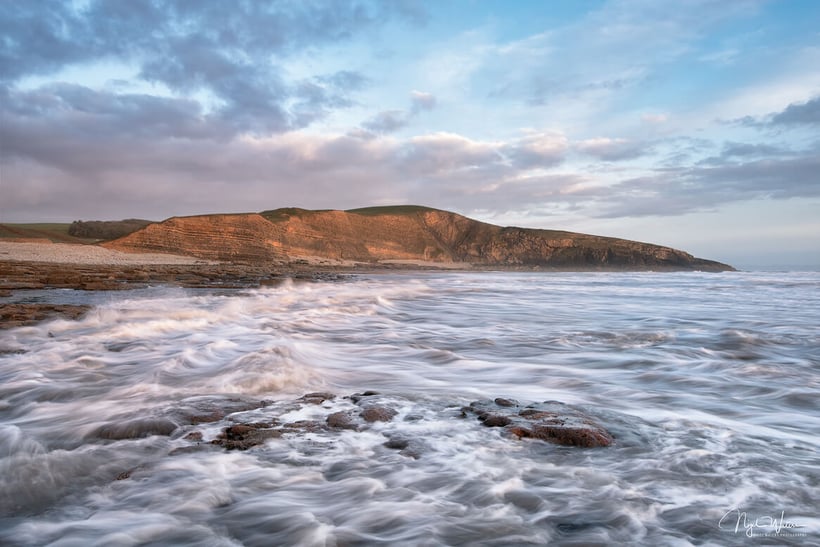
{"type": "Point", "coordinates": [708, 383]}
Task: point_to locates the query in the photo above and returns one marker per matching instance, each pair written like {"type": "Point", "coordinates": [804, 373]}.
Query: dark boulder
{"type": "Point", "coordinates": [549, 421]}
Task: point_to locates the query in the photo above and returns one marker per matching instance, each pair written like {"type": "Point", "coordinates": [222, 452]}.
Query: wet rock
{"type": "Point", "coordinates": [525, 500]}
{"type": "Point", "coordinates": [193, 449]}
{"type": "Point", "coordinates": [135, 429]}
{"type": "Point", "coordinates": [549, 421]}
{"type": "Point", "coordinates": [342, 420]}
{"type": "Point", "coordinates": [202, 410]}
{"type": "Point", "coordinates": [117, 347]}
{"type": "Point", "coordinates": [586, 437]}
{"type": "Point", "coordinates": [494, 420]}
{"type": "Point", "coordinates": [16, 315]}
{"type": "Point", "coordinates": [398, 443]}
{"type": "Point", "coordinates": [245, 436]}
{"type": "Point", "coordinates": [193, 436]}
{"type": "Point", "coordinates": [377, 414]}
{"type": "Point", "coordinates": [304, 426]}
{"type": "Point", "coordinates": [505, 402]}
{"type": "Point", "coordinates": [12, 351]}
{"type": "Point", "coordinates": [410, 448]}
{"type": "Point", "coordinates": [357, 397]}
{"type": "Point", "coordinates": [317, 398]}
{"type": "Point", "coordinates": [124, 475]}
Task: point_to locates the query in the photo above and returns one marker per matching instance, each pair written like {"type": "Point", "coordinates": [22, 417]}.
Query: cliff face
{"type": "Point", "coordinates": [228, 238]}
{"type": "Point", "coordinates": [396, 233]}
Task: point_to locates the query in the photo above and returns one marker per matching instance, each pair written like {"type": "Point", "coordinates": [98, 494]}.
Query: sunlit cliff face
{"type": "Point", "coordinates": [400, 233]}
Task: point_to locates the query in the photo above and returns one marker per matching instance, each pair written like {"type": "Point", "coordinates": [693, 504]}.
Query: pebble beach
{"type": "Point", "coordinates": [68, 253]}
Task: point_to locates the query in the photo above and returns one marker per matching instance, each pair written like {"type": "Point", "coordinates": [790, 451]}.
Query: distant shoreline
{"type": "Point", "coordinates": [38, 265]}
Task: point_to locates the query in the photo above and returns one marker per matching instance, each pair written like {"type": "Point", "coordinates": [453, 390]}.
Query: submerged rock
{"type": "Point", "coordinates": [358, 397]}
{"type": "Point", "coordinates": [549, 421]}
{"type": "Point", "coordinates": [342, 420]}
{"type": "Point", "coordinates": [201, 410]}
{"type": "Point", "coordinates": [135, 429]}
{"type": "Point", "coordinates": [244, 436]}
{"type": "Point", "coordinates": [317, 398]}
{"type": "Point", "coordinates": [411, 448]}
{"type": "Point", "coordinates": [377, 414]}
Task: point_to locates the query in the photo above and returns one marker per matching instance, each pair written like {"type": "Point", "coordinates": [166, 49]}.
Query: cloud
{"type": "Point", "coordinates": [387, 121]}
{"type": "Point", "coordinates": [422, 101]}
{"type": "Point", "coordinates": [795, 115]}
{"type": "Point", "coordinates": [607, 149]}
{"type": "Point", "coordinates": [440, 153]}
{"type": "Point", "coordinates": [685, 190]}
{"type": "Point", "coordinates": [71, 160]}
{"type": "Point", "coordinates": [390, 121]}
{"type": "Point", "coordinates": [807, 113]}
{"type": "Point", "coordinates": [39, 40]}
{"type": "Point", "coordinates": [741, 149]}
{"type": "Point", "coordinates": [313, 99]}
{"type": "Point", "coordinates": [734, 152]}
{"type": "Point", "coordinates": [538, 150]}
{"type": "Point", "coordinates": [232, 53]}
{"type": "Point", "coordinates": [66, 143]}
{"type": "Point", "coordinates": [79, 116]}
{"type": "Point", "coordinates": [222, 101]}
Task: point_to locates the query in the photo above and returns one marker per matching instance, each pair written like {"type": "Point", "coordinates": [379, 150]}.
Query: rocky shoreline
{"type": "Point", "coordinates": [36, 265]}
{"type": "Point", "coordinates": [28, 265]}
{"type": "Point", "coordinates": [19, 276]}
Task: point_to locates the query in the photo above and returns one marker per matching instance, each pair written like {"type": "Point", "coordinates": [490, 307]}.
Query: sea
{"type": "Point", "coordinates": [709, 384]}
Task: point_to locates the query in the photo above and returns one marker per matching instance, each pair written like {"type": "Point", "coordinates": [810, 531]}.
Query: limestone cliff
{"type": "Point", "coordinates": [406, 233]}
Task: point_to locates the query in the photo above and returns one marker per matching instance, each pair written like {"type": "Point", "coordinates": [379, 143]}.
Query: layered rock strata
{"type": "Point", "coordinates": [409, 234]}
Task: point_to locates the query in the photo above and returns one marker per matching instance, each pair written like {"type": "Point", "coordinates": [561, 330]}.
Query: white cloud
{"type": "Point", "coordinates": [538, 150]}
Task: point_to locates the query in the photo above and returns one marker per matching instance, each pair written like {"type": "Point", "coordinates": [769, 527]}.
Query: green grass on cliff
{"type": "Point", "coordinates": [391, 210]}
{"type": "Point", "coordinates": [280, 215]}
{"type": "Point", "coordinates": [53, 231]}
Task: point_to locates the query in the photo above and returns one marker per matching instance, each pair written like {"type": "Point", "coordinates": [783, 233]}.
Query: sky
{"type": "Point", "coordinates": [693, 123]}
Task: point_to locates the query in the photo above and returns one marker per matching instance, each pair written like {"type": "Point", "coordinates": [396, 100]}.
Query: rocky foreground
{"type": "Point", "coordinates": [253, 423]}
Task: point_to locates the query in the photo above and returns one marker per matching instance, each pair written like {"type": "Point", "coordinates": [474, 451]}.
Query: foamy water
{"type": "Point", "coordinates": [708, 382]}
